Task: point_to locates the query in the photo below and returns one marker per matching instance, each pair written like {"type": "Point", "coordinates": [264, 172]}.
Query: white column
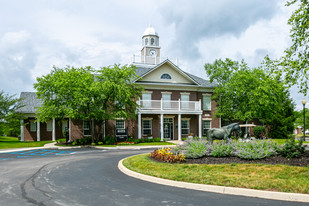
{"type": "Point", "coordinates": [161, 127]}
{"type": "Point", "coordinates": [54, 130]}
{"type": "Point", "coordinates": [38, 133]}
{"type": "Point", "coordinates": [179, 126]}
{"type": "Point", "coordinates": [200, 126]}
{"type": "Point", "coordinates": [22, 137]}
{"type": "Point", "coordinates": [161, 104]}
{"type": "Point", "coordinates": [179, 105]}
{"type": "Point", "coordinates": [139, 127]}
{"type": "Point", "coordinates": [70, 132]}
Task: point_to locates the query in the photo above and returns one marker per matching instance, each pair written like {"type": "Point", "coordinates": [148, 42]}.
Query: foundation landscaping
{"type": "Point", "coordinates": [256, 164]}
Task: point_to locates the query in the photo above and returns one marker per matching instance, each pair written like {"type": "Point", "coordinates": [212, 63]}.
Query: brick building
{"type": "Point", "coordinates": [174, 103]}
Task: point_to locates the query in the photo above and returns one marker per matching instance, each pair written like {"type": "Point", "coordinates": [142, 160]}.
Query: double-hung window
{"type": "Point", "coordinates": [32, 126]}
{"type": "Point", "coordinates": [166, 97]}
{"type": "Point", "coordinates": [206, 102]}
{"type": "Point", "coordinates": [206, 126]}
{"type": "Point", "coordinates": [184, 101]}
{"type": "Point", "coordinates": [146, 97]}
{"type": "Point", "coordinates": [185, 127]}
{"type": "Point", "coordinates": [86, 127]}
{"type": "Point", "coordinates": [147, 127]}
{"type": "Point", "coordinates": [49, 126]}
{"type": "Point", "coordinates": [120, 124]}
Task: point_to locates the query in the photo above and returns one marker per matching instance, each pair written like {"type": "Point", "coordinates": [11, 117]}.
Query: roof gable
{"type": "Point", "coordinates": [167, 69]}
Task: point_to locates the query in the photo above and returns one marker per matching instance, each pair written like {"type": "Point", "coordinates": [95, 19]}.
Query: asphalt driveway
{"type": "Point", "coordinates": [91, 177]}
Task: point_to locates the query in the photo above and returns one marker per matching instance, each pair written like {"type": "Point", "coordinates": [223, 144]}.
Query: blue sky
{"type": "Point", "coordinates": [37, 34]}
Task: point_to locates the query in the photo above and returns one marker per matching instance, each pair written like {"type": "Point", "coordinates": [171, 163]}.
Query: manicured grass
{"type": "Point", "coordinates": [13, 142]}
{"type": "Point", "coordinates": [281, 178]}
{"type": "Point", "coordinates": [140, 144]}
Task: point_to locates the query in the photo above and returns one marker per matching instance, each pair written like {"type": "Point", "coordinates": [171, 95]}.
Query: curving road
{"type": "Point", "coordinates": [91, 177]}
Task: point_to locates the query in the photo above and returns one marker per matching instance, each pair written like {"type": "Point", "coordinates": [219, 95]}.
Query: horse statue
{"type": "Point", "coordinates": [223, 132]}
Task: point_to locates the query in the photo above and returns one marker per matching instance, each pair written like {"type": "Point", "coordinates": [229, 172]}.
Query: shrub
{"type": "Point", "coordinates": [61, 140]}
{"type": "Point", "coordinates": [259, 132]}
{"type": "Point", "coordinates": [156, 139]}
{"type": "Point", "coordinates": [74, 143]}
{"type": "Point", "coordinates": [100, 143]}
{"type": "Point", "coordinates": [109, 140]}
{"type": "Point", "coordinates": [167, 155]}
{"type": "Point", "coordinates": [93, 144]}
{"type": "Point", "coordinates": [257, 149]}
{"type": "Point", "coordinates": [195, 148]}
{"type": "Point", "coordinates": [221, 149]}
{"type": "Point", "coordinates": [291, 149]}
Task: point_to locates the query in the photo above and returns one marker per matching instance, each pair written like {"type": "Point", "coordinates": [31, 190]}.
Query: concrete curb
{"type": "Point", "coordinates": [296, 197]}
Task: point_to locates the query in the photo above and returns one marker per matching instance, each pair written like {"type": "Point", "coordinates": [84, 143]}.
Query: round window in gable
{"type": "Point", "coordinates": [166, 76]}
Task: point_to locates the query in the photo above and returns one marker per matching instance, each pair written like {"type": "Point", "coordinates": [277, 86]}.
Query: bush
{"type": "Point", "coordinates": [291, 149]}
{"type": "Point", "coordinates": [257, 149]}
{"type": "Point", "coordinates": [61, 140]}
{"type": "Point", "coordinates": [220, 149]}
{"type": "Point", "coordinates": [167, 155]}
{"type": "Point", "coordinates": [195, 148]}
{"type": "Point", "coordinates": [259, 132]}
{"type": "Point", "coordinates": [156, 139]}
{"type": "Point", "coordinates": [74, 143]}
{"type": "Point", "coordinates": [100, 143]}
{"type": "Point", "coordinates": [109, 140]}
{"type": "Point", "coordinates": [93, 144]}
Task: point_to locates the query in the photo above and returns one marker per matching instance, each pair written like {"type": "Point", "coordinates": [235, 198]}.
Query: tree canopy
{"type": "Point", "coordinates": [85, 93]}
{"type": "Point", "coordinates": [244, 93]}
{"type": "Point", "coordinates": [9, 119]}
{"type": "Point", "coordinates": [293, 67]}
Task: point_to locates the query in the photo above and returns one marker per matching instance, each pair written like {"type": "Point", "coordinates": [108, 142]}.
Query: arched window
{"type": "Point", "coordinates": [152, 41]}
{"type": "Point", "coordinates": [146, 41]}
{"type": "Point", "coordinates": [166, 76]}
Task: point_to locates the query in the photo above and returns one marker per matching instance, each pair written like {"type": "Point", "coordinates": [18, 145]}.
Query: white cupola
{"type": "Point", "coordinates": [151, 50]}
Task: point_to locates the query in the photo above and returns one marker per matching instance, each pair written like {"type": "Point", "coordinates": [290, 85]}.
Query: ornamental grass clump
{"type": "Point", "coordinates": [257, 149]}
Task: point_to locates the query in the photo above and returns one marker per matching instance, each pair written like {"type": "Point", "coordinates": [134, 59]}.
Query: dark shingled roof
{"type": "Point", "coordinates": [30, 102]}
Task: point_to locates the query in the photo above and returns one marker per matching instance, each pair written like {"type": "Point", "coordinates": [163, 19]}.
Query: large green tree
{"type": "Point", "coordinates": [88, 94]}
{"type": "Point", "coordinates": [293, 67]}
{"type": "Point", "coordinates": [9, 119]}
{"type": "Point", "coordinates": [244, 93]}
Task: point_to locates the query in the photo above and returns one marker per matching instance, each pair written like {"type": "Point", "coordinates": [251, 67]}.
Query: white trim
{"type": "Point", "coordinates": [167, 61]}
{"type": "Point", "coordinates": [179, 126]}
{"type": "Point", "coordinates": [147, 92]}
{"type": "Point", "coordinates": [186, 118]}
{"type": "Point", "coordinates": [166, 92]}
{"type": "Point", "coordinates": [207, 94]}
{"type": "Point", "coordinates": [147, 118]}
{"type": "Point", "coordinates": [206, 119]}
{"type": "Point", "coordinates": [185, 93]}
{"type": "Point", "coordinates": [88, 129]}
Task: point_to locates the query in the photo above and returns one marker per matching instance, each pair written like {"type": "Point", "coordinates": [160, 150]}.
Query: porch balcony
{"type": "Point", "coordinates": [169, 107]}
{"type": "Point", "coordinates": [151, 60]}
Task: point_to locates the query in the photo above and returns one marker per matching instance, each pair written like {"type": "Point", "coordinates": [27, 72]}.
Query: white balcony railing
{"type": "Point", "coordinates": [169, 105]}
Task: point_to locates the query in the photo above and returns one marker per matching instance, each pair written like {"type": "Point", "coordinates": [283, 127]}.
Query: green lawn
{"type": "Point", "coordinates": [281, 178]}
{"type": "Point", "coordinates": [282, 141]}
{"type": "Point", "coordinates": [140, 144]}
{"type": "Point", "coordinates": [13, 142]}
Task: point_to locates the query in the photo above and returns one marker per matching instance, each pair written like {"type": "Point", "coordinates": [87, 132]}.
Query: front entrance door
{"type": "Point", "coordinates": [168, 128]}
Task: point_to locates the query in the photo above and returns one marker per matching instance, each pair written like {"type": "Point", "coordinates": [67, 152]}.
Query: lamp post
{"type": "Point", "coordinates": [304, 104]}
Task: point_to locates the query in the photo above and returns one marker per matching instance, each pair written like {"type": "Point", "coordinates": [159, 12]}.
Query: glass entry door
{"type": "Point", "coordinates": [168, 128]}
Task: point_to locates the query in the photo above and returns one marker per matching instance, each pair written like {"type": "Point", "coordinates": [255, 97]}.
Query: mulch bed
{"type": "Point", "coordinates": [302, 161]}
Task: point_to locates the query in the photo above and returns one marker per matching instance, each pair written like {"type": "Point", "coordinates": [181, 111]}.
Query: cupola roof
{"type": "Point", "coordinates": [150, 31]}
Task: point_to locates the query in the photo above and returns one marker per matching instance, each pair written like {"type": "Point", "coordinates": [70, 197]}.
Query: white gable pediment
{"type": "Point", "coordinates": [167, 73]}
